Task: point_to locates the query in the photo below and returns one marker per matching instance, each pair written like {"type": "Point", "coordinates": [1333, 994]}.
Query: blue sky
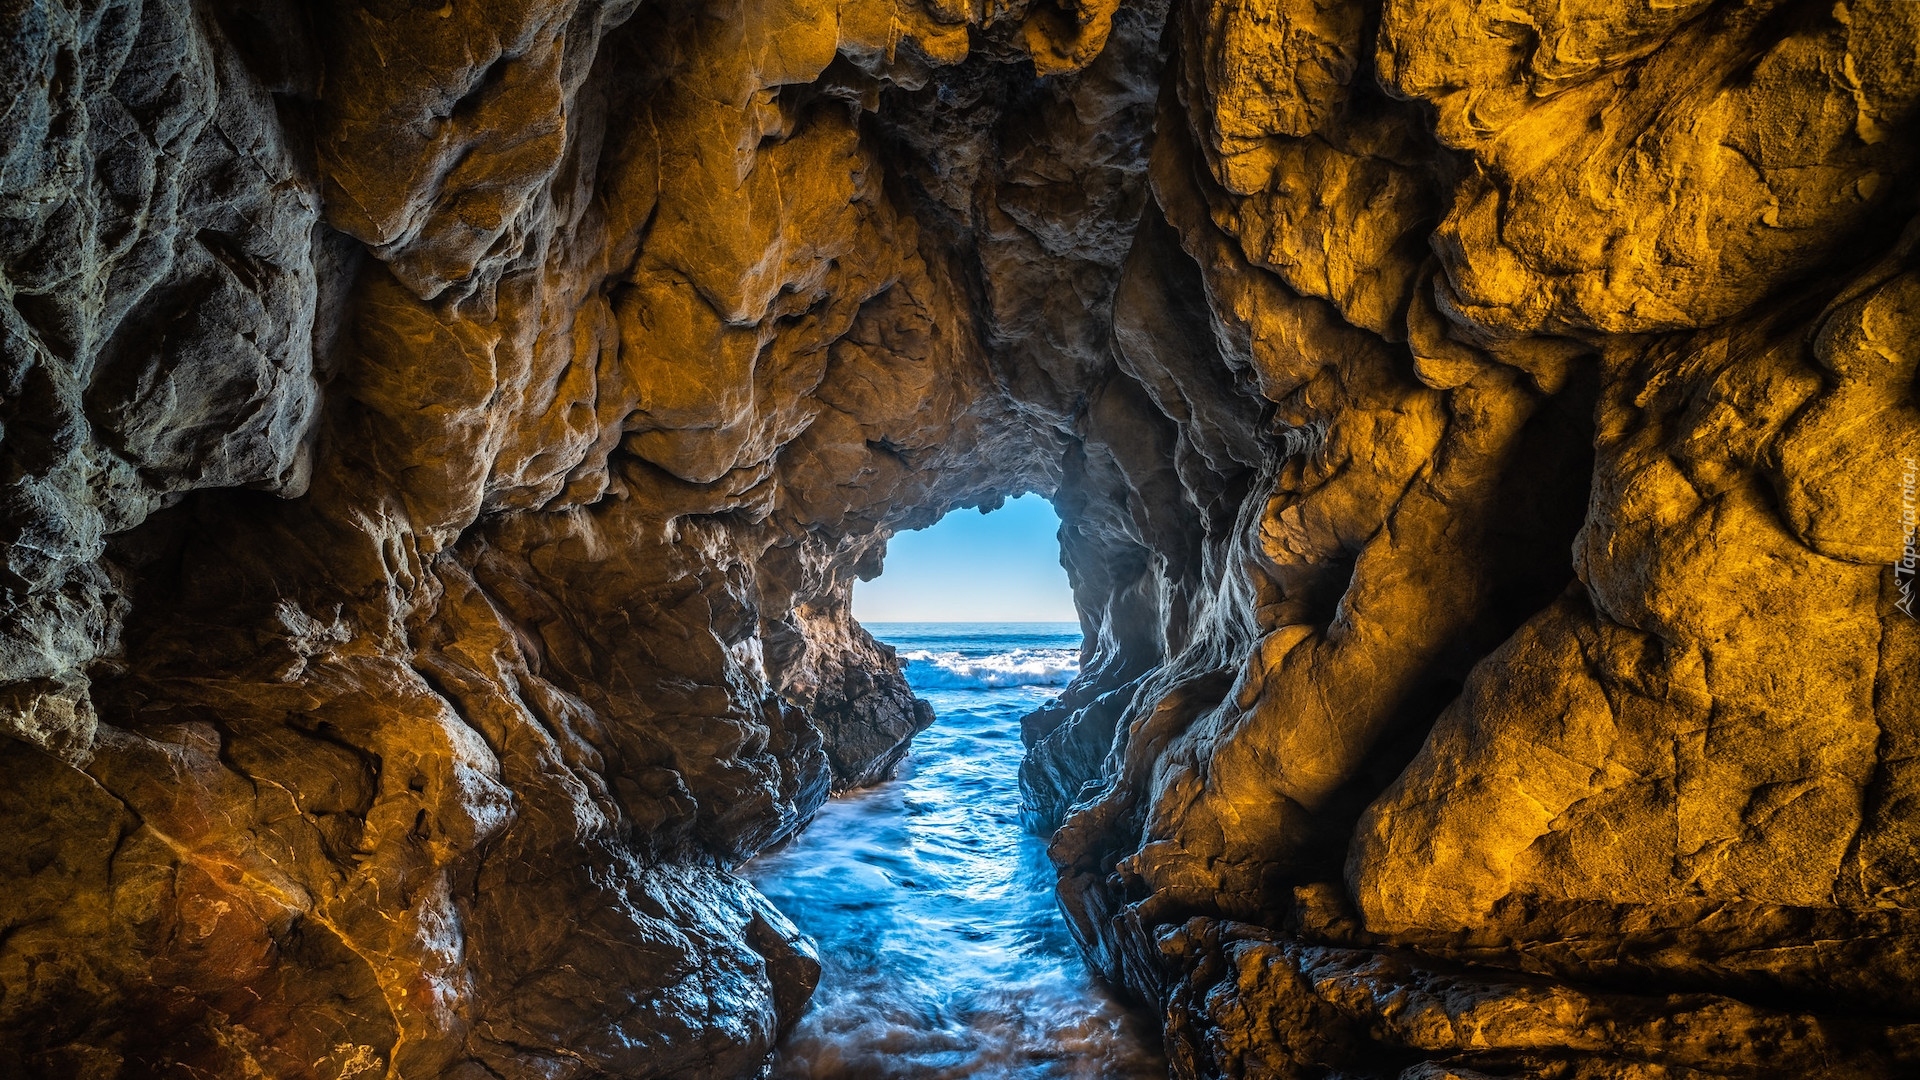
{"type": "Point", "coordinates": [1000, 567]}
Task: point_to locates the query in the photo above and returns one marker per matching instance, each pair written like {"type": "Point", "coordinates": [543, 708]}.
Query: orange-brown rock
{"type": "Point", "coordinates": [440, 442]}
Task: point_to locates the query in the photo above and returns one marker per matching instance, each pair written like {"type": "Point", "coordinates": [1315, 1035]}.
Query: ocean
{"type": "Point", "coordinates": [944, 952]}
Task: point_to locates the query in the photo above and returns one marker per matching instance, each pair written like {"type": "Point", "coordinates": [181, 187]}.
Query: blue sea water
{"type": "Point", "coordinates": [943, 949]}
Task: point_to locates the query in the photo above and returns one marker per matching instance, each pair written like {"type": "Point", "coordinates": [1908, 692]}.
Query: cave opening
{"type": "Point", "coordinates": [942, 946]}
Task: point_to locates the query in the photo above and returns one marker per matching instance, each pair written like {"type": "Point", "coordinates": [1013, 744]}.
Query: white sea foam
{"type": "Point", "coordinates": [1021, 667]}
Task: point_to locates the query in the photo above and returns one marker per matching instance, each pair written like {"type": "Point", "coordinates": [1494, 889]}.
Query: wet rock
{"type": "Point", "coordinates": [852, 686]}
{"type": "Point", "coordinates": [1255, 1004]}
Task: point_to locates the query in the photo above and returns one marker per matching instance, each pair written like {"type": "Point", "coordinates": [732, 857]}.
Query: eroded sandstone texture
{"type": "Point", "coordinates": [439, 443]}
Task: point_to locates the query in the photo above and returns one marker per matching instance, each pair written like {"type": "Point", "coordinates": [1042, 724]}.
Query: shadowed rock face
{"type": "Point", "coordinates": [439, 444]}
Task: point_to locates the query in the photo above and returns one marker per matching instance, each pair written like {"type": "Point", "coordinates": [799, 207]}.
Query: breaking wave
{"type": "Point", "coordinates": [928, 670]}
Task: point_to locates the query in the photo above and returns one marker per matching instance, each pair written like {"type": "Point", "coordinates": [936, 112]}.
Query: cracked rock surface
{"type": "Point", "coordinates": [439, 444]}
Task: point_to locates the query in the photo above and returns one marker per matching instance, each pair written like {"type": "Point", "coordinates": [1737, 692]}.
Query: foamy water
{"type": "Point", "coordinates": [954, 670]}
{"type": "Point", "coordinates": [943, 949]}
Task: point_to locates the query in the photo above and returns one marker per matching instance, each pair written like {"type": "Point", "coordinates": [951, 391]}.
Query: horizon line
{"type": "Point", "coordinates": [875, 622]}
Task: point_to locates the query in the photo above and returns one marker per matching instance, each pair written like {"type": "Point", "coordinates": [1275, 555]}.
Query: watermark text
{"type": "Point", "coordinates": [1903, 571]}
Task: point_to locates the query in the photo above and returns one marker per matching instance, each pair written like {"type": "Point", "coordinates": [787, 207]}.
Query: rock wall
{"type": "Point", "coordinates": [1545, 716]}
{"type": "Point", "coordinates": [440, 443]}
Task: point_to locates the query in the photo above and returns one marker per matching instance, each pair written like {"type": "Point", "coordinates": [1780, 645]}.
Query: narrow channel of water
{"type": "Point", "coordinates": [944, 952]}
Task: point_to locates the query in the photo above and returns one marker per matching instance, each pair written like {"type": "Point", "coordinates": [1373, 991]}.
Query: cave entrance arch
{"type": "Point", "coordinates": [991, 566]}
{"type": "Point", "coordinates": [932, 906]}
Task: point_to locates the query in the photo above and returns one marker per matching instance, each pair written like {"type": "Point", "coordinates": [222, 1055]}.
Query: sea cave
{"type": "Point", "coordinates": [444, 442]}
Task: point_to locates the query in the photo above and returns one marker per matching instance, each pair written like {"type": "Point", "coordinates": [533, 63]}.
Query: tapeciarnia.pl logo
{"type": "Point", "coordinates": [1903, 571]}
